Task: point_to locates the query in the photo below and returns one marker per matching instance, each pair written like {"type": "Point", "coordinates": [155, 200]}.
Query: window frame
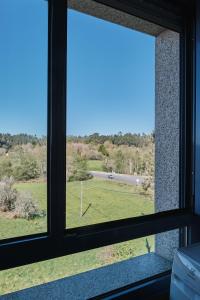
{"type": "Point", "coordinates": [59, 241]}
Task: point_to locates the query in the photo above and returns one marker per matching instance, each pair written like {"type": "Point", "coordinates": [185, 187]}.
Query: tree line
{"type": "Point", "coordinates": [24, 157]}
{"type": "Point", "coordinates": [7, 140]}
{"type": "Point", "coordinates": [129, 139]}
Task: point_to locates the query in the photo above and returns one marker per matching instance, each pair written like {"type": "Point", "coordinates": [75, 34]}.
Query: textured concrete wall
{"type": "Point", "coordinates": [167, 134]}
{"type": "Point", "coordinates": [101, 11]}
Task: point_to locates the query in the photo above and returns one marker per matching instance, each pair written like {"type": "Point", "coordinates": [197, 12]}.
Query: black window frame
{"type": "Point", "coordinates": [59, 241]}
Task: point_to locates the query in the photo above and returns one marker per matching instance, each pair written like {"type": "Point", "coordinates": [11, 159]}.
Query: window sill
{"type": "Point", "coordinates": [96, 282]}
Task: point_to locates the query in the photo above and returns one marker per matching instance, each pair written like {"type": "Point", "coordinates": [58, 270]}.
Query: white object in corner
{"type": "Point", "coordinates": [185, 280]}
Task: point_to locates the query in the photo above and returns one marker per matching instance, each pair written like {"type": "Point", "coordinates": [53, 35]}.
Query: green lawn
{"type": "Point", "coordinates": [107, 200]}
{"type": "Point", "coordinates": [17, 227]}
{"type": "Point", "coordinates": [104, 200]}
{"type": "Point", "coordinates": [95, 165]}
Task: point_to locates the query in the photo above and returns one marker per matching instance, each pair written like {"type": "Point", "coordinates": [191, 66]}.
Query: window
{"type": "Point", "coordinates": [122, 146]}
{"type": "Point", "coordinates": [110, 146]}
{"type": "Point", "coordinates": [23, 118]}
{"type": "Point", "coordinates": [172, 208]}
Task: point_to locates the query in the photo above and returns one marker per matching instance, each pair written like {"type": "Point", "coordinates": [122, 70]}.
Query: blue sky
{"type": "Point", "coordinates": [23, 66]}
{"type": "Point", "coordinates": [110, 73]}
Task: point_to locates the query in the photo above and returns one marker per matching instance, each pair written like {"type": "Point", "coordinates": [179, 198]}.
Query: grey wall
{"type": "Point", "coordinates": [167, 134]}
{"type": "Point", "coordinates": [107, 13]}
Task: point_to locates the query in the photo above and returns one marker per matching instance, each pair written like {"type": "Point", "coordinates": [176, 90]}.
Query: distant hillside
{"type": "Point", "coordinates": [130, 139]}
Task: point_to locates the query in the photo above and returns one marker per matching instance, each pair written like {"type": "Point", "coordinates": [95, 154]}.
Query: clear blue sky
{"type": "Point", "coordinates": [110, 73]}
{"type": "Point", "coordinates": [23, 66]}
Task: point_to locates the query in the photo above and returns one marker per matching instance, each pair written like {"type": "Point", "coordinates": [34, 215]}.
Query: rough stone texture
{"type": "Point", "coordinates": [109, 14]}
{"type": "Point", "coordinates": [167, 135]}
{"type": "Point", "coordinates": [167, 243]}
{"type": "Point", "coordinates": [95, 282]}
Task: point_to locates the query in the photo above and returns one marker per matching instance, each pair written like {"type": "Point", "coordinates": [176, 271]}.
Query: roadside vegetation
{"type": "Point", "coordinates": [127, 154]}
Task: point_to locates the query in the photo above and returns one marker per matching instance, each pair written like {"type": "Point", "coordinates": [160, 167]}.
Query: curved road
{"type": "Point", "coordinates": [131, 179]}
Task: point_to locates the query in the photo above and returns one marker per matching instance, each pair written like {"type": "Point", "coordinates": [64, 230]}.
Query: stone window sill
{"type": "Point", "coordinates": [96, 282]}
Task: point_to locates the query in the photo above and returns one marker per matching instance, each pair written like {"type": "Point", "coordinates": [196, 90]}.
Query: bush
{"type": "Point", "coordinates": [26, 207]}
{"type": "Point", "coordinates": [28, 169]}
{"type": "Point", "coordinates": [124, 251]}
{"type": "Point", "coordinates": [147, 184]}
{"type": "Point", "coordinates": [5, 168]}
{"type": "Point", "coordinates": [21, 204]}
{"type": "Point", "coordinates": [8, 195]}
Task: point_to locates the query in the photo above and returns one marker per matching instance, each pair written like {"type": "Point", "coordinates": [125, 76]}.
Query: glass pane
{"type": "Point", "coordinates": [136, 260]}
{"type": "Point", "coordinates": [23, 117]}
{"type": "Point", "coordinates": [122, 118]}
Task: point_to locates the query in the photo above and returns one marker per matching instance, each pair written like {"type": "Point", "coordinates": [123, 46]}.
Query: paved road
{"type": "Point", "coordinates": [119, 177]}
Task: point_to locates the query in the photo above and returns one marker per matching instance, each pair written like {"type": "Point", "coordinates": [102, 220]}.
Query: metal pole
{"type": "Point", "coordinates": [81, 200]}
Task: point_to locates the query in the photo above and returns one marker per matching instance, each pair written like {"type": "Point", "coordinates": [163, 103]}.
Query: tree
{"type": "Point", "coordinates": [108, 165]}
{"type": "Point", "coordinates": [79, 170]}
{"type": "Point", "coordinates": [119, 162]}
{"type": "Point", "coordinates": [103, 150]}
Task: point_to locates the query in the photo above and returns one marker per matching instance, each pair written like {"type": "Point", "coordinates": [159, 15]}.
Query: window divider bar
{"type": "Point", "coordinates": [34, 249]}
{"type": "Point", "coordinates": [57, 118]}
{"type": "Point", "coordinates": [104, 234]}
{"type": "Point", "coordinates": [193, 233]}
{"type": "Point", "coordinates": [186, 117]}
{"type": "Point", "coordinates": [162, 217]}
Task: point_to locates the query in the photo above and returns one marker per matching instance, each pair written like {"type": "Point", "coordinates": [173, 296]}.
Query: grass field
{"type": "Point", "coordinates": [103, 200]}
{"type": "Point", "coordinates": [95, 165]}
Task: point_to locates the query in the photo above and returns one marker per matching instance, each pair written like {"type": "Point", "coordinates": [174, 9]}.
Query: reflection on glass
{"type": "Point", "coordinates": [23, 117]}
